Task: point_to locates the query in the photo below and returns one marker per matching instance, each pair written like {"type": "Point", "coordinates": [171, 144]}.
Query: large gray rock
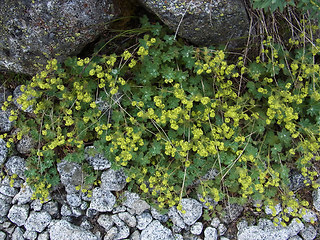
{"type": "Point", "coordinates": [203, 22]}
{"type": "Point", "coordinates": [62, 229]}
{"type": "Point", "coordinates": [102, 200]}
{"type": "Point", "coordinates": [18, 214]}
{"type": "Point", "coordinates": [193, 210]}
{"type": "Point", "coordinates": [37, 221]}
{"type": "Point", "coordinates": [96, 160]}
{"type": "Point", "coordinates": [31, 32]}
{"type": "Point", "coordinates": [155, 231]}
{"type": "Point", "coordinates": [70, 173]}
{"type": "Point", "coordinates": [16, 165]}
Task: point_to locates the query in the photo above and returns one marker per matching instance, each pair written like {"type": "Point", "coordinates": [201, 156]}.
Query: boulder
{"type": "Point", "coordinates": [32, 32]}
{"type": "Point", "coordinates": [204, 22]}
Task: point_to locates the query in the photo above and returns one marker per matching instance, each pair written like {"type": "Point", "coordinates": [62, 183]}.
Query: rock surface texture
{"type": "Point", "coordinates": [203, 22]}
{"type": "Point", "coordinates": [31, 32]}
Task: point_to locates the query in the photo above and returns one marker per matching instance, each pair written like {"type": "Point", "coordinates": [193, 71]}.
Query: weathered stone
{"type": "Point", "coordinates": [17, 234]}
{"type": "Point", "coordinates": [25, 145]}
{"type": "Point", "coordinates": [4, 208]}
{"type": "Point", "coordinates": [105, 221]}
{"type": "Point", "coordinates": [73, 200]}
{"type": "Point", "coordinates": [143, 220]}
{"type": "Point", "coordinates": [155, 231]}
{"type": "Point", "coordinates": [31, 32]}
{"type": "Point", "coordinates": [193, 210]}
{"type": "Point", "coordinates": [70, 173]}
{"type": "Point", "coordinates": [37, 221]}
{"type": "Point", "coordinates": [102, 201]}
{"type": "Point", "coordinates": [18, 214]}
{"type": "Point", "coordinates": [113, 180]}
{"type": "Point", "coordinates": [176, 219]}
{"type": "Point", "coordinates": [309, 233]}
{"type": "Point", "coordinates": [96, 160]}
{"type": "Point", "coordinates": [16, 165]}
{"type": "Point", "coordinates": [128, 219]}
{"type": "Point", "coordinates": [2, 235]}
{"type": "Point", "coordinates": [196, 228]}
{"type": "Point", "coordinates": [62, 229]}
{"type": "Point", "coordinates": [30, 235]}
{"type": "Point", "coordinates": [24, 195]}
{"type": "Point", "coordinates": [5, 123]}
{"type": "Point", "coordinates": [203, 22]}
{"type": "Point", "coordinates": [232, 212]}
{"type": "Point", "coordinates": [210, 233]}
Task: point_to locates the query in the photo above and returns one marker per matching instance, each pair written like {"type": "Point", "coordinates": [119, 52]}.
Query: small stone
{"type": "Point", "coordinates": [316, 199]}
{"type": "Point", "coordinates": [97, 160]}
{"type": "Point", "coordinates": [85, 224]}
{"type": "Point", "coordinates": [309, 233]}
{"type": "Point", "coordinates": [135, 235]}
{"type": "Point", "coordinates": [5, 124]}
{"type": "Point", "coordinates": [37, 221]}
{"type": "Point", "coordinates": [278, 209]}
{"type": "Point", "coordinates": [17, 234]}
{"type": "Point", "coordinates": [111, 233]}
{"type": "Point", "coordinates": [105, 221]}
{"type": "Point", "coordinates": [65, 210]}
{"type": "Point", "coordinates": [210, 233]}
{"type": "Point", "coordinates": [24, 195]}
{"type": "Point", "coordinates": [155, 231]}
{"type": "Point", "coordinates": [295, 238]}
{"type": "Point", "coordinates": [176, 218]}
{"type": "Point", "coordinates": [232, 212]}
{"type": "Point", "coordinates": [123, 232]}
{"type": "Point", "coordinates": [18, 214]}
{"type": "Point", "coordinates": [222, 229]}
{"type": "Point", "coordinates": [161, 217]}
{"type": "Point", "coordinates": [215, 222]}
{"type": "Point", "coordinates": [70, 173]}
{"type": "Point", "coordinates": [102, 200]}
{"type": "Point", "coordinates": [140, 206]}
{"type": "Point", "coordinates": [128, 219]}
{"type": "Point", "coordinates": [196, 228]}
{"type": "Point", "coordinates": [52, 208]}
{"type": "Point", "coordinates": [309, 215]}
{"type": "Point", "coordinates": [43, 236]}
{"type": "Point", "coordinates": [36, 205]}
{"type": "Point", "coordinates": [30, 235]}
{"type": "Point", "coordinates": [73, 200]}
{"type": "Point", "coordinates": [84, 206]}
{"type": "Point", "coordinates": [4, 208]}
{"type": "Point", "coordinates": [113, 180]}
{"type": "Point", "coordinates": [25, 145]}
{"type": "Point", "coordinates": [8, 191]}
{"type": "Point", "coordinates": [119, 209]}
{"type": "Point", "coordinates": [193, 210]}
{"type": "Point", "coordinates": [16, 165]}
{"type": "Point", "coordinates": [143, 220]}
{"type": "Point", "coordinates": [76, 212]}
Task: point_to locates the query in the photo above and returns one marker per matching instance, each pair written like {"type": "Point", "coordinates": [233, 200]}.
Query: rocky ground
{"type": "Point", "coordinates": [114, 213]}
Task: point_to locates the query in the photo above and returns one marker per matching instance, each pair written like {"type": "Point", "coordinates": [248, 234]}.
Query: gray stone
{"type": "Point", "coordinates": [3, 151]}
{"type": "Point", "coordinates": [193, 210]}
{"type": "Point", "coordinates": [7, 190]}
{"type": "Point", "coordinates": [25, 145]}
{"type": "Point", "coordinates": [123, 232]}
{"type": "Point", "coordinates": [2, 235]}
{"type": "Point", "coordinates": [133, 202]}
{"type": "Point", "coordinates": [4, 208]}
{"type": "Point", "coordinates": [278, 209]}
{"type": "Point", "coordinates": [316, 199]}
{"type": "Point", "coordinates": [84, 205]}
{"type": "Point", "coordinates": [215, 222]}
{"type": "Point", "coordinates": [119, 209]}
{"type": "Point", "coordinates": [65, 210]}
{"type": "Point", "coordinates": [36, 205]}
{"type": "Point", "coordinates": [161, 217]}
{"type": "Point", "coordinates": [43, 236]}
{"type": "Point", "coordinates": [96, 160]}
{"type": "Point", "coordinates": [295, 238]}
{"type": "Point", "coordinates": [16, 165]}
{"type": "Point", "coordinates": [24, 195]}
{"type": "Point", "coordinates": [309, 233]}
{"type": "Point", "coordinates": [111, 233]}
{"type": "Point", "coordinates": [128, 219]}
{"type": "Point", "coordinates": [17, 234]}
{"type": "Point", "coordinates": [224, 238]}
{"type": "Point", "coordinates": [232, 212]}
{"type": "Point", "coordinates": [143, 220]}
{"type": "Point", "coordinates": [70, 173]}
{"type": "Point", "coordinates": [76, 212]}
{"type": "Point", "coordinates": [113, 180]}
{"type": "Point", "coordinates": [155, 231]}
{"type": "Point", "coordinates": [18, 214]}
{"type": "Point", "coordinates": [309, 215]}
{"type": "Point", "coordinates": [203, 22]}
{"type": "Point", "coordinates": [105, 221]}
{"type": "Point", "coordinates": [295, 226]}
{"type": "Point", "coordinates": [33, 32]}
{"type": "Point", "coordinates": [52, 208]}
{"type": "Point", "coordinates": [5, 124]}
{"type": "Point", "coordinates": [221, 229]}
{"type": "Point", "coordinates": [102, 200]}
{"type": "Point", "coordinates": [140, 206]}
{"type": "Point", "coordinates": [30, 235]}
{"type": "Point", "coordinates": [135, 235]}
{"type": "Point", "coordinates": [176, 219]}
{"type": "Point", "coordinates": [37, 221]}
{"type": "Point", "coordinates": [196, 228]}
{"type": "Point", "coordinates": [61, 229]}
{"type": "Point", "coordinates": [210, 233]}
{"type": "Point", "coordinates": [297, 180]}
{"type": "Point", "coordinates": [73, 200]}
{"type": "Point", "coordinates": [85, 224]}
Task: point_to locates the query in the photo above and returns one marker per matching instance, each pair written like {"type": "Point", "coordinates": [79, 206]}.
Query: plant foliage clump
{"type": "Point", "coordinates": [170, 113]}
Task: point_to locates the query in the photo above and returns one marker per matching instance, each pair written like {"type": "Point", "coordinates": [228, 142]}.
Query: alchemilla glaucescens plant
{"type": "Point", "coordinates": [168, 113]}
